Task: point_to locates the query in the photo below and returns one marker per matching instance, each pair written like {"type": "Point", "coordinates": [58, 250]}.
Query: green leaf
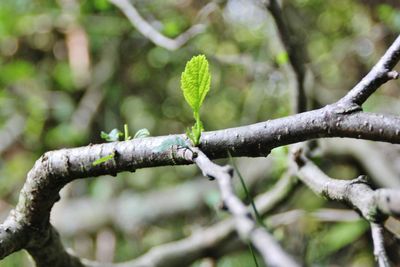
{"type": "Point", "coordinates": [142, 133]}
{"type": "Point", "coordinates": [112, 136]}
{"type": "Point", "coordinates": [334, 238]}
{"type": "Point", "coordinates": [103, 159]}
{"type": "Point", "coordinates": [195, 82]}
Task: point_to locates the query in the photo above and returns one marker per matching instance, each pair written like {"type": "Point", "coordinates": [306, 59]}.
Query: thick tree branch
{"type": "Point", "coordinates": [29, 222]}
{"type": "Point", "coordinates": [55, 169]}
{"type": "Point", "coordinates": [132, 210]}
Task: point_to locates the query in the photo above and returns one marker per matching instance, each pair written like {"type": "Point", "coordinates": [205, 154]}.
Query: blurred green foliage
{"type": "Point", "coordinates": [138, 84]}
{"type": "Point", "coordinates": [333, 239]}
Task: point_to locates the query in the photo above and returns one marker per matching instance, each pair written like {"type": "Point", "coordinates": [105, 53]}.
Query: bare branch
{"type": "Point", "coordinates": [374, 205]}
{"type": "Point", "coordinates": [379, 248]}
{"type": "Point", "coordinates": [28, 226]}
{"type": "Point", "coordinates": [246, 227]}
{"type": "Point", "coordinates": [152, 34]}
{"type": "Point", "coordinates": [52, 171]}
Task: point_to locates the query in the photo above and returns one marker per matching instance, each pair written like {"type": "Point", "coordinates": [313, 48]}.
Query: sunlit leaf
{"type": "Point", "coordinates": [195, 81]}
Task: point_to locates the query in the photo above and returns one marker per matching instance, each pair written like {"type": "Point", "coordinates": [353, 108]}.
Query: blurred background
{"type": "Point", "coordinates": [70, 69]}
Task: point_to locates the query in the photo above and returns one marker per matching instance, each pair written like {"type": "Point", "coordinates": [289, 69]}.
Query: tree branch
{"type": "Point", "coordinates": [374, 205]}
{"type": "Point", "coordinates": [57, 168]}
{"type": "Point", "coordinates": [379, 248]}
{"type": "Point", "coordinates": [214, 241]}
{"type": "Point", "coordinates": [132, 210]}
{"type": "Point", "coordinates": [152, 34]}
{"type": "Point", "coordinates": [245, 225]}
{"type": "Point", "coordinates": [28, 223]}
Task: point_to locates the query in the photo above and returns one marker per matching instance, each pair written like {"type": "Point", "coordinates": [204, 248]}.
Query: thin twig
{"type": "Point", "coordinates": [152, 34]}
{"type": "Point", "coordinates": [246, 227]}
{"type": "Point", "coordinates": [379, 248]}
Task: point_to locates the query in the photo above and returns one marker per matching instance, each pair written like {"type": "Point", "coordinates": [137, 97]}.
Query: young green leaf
{"type": "Point", "coordinates": [195, 82]}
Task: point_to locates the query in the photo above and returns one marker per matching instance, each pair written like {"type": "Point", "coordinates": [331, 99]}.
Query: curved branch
{"type": "Point", "coordinates": [152, 34]}
{"type": "Point", "coordinates": [132, 210]}
{"type": "Point", "coordinates": [29, 222]}
{"type": "Point", "coordinates": [374, 205]}
{"type": "Point", "coordinates": [57, 168]}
